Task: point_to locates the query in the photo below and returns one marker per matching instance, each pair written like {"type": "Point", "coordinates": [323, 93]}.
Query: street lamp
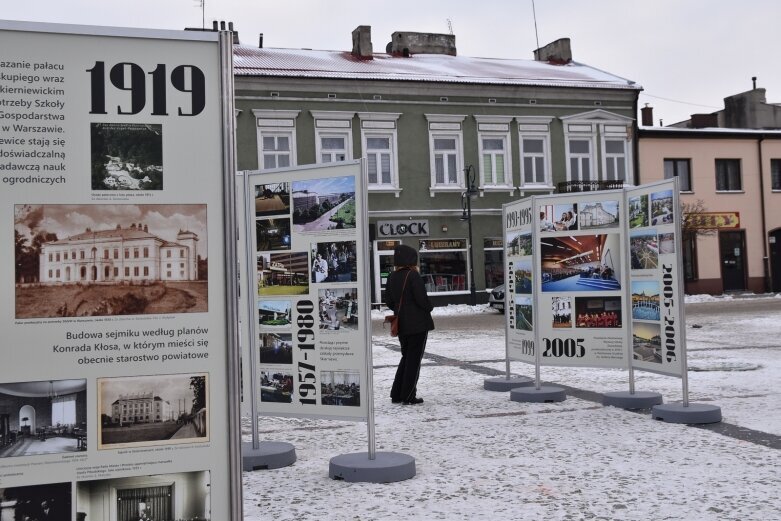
{"type": "Point", "coordinates": [466, 215]}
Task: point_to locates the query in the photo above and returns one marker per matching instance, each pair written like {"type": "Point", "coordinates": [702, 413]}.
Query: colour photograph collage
{"type": "Point", "coordinates": [314, 213]}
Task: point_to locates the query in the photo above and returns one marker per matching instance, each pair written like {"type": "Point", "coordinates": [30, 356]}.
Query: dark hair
{"type": "Point", "coordinates": [404, 255]}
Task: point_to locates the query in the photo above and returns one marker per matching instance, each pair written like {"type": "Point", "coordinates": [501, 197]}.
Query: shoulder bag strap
{"type": "Point", "coordinates": [401, 299]}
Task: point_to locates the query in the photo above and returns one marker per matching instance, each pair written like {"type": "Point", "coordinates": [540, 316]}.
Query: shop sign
{"type": "Point", "coordinates": [387, 245]}
{"type": "Point", "coordinates": [714, 220]}
{"type": "Point", "coordinates": [492, 244]}
{"type": "Point", "coordinates": [403, 228]}
{"type": "Point", "coordinates": [443, 244]}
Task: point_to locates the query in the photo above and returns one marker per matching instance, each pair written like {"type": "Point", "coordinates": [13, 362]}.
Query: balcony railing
{"type": "Point", "coordinates": [566, 187]}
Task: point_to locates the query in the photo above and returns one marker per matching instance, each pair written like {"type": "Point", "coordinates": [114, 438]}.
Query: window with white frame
{"type": "Point", "coordinates": [276, 138]}
{"type": "Point", "coordinates": [379, 143]}
{"type": "Point", "coordinates": [602, 135]}
{"type": "Point", "coordinates": [534, 141]}
{"type": "Point", "coordinates": [446, 150]}
{"type": "Point", "coordinates": [493, 134]}
{"type": "Point", "coordinates": [333, 136]}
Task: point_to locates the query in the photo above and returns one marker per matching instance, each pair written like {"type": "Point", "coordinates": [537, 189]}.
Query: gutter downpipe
{"type": "Point", "coordinates": [765, 259]}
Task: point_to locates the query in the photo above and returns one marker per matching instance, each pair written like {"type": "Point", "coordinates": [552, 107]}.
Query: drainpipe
{"type": "Point", "coordinates": [765, 259]}
{"type": "Point", "coordinates": [636, 146]}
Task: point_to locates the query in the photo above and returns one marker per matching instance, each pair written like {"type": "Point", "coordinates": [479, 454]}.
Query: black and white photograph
{"type": "Point", "coordinates": [184, 496]}
{"type": "Point", "coordinates": [324, 204]}
{"type": "Point", "coordinates": [110, 259]}
{"type": "Point", "coordinates": [126, 156]}
{"type": "Point", "coordinates": [283, 274]}
{"type": "Point", "coordinates": [51, 501]}
{"type": "Point", "coordinates": [276, 348]}
{"type": "Point", "coordinates": [272, 199]}
{"type": "Point", "coordinates": [274, 314]}
{"type": "Point", "coordinates": [340, 388]}
{"type": "Point", "coordinates": [338, 309]}
{"type": "Point", "coordinates": [662, 208]}
{"type": "Point", "coordinates": [43, 417]}
{"type": "Point", "coordinates": [561, 309]}
{"type": "Point", "coordinates": [638, 211]}
{"type": "Point", "coordinates": [647, 342]}
{"type": "Point", "coordinates": [643, 250]}
{"type": "Point", "coordinates": [152, 410]}
{"type": "Point", "coordinates": [581, 263]}
{"type": "Point", "coordinates": [524, 313]}
{"type": "Point", "coordinates": [334, 262]}
{"type": "Point", "coordinates": [598, 215]}
{"type": "Point", "coordinates": [598, 312]}
{"type": "Point", "coordinates": [276, 385]}
{"type": "Point", "coordinates": [272, 234]}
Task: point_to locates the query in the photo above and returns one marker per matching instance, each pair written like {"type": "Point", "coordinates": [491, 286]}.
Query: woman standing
{"type": "Point", "coordinates": [405, 294]}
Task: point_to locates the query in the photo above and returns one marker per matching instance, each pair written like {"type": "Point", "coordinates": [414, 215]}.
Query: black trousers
{"type": "Point", "coordinates": [406, 381]}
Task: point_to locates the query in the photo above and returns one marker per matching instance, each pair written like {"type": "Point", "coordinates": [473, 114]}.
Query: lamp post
{"type": "Point", "coordinates": [466, 215]}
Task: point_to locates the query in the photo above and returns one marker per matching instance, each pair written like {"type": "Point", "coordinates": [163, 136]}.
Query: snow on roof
{"type": "Point", "coordinates": [124, 233]}
{"type": "Point", "coordinates": [307, 63]}
{"type": "Point", "coordinates": [711, 130]}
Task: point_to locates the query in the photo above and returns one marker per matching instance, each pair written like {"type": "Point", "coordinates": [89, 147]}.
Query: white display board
{"type": "Point", "coordinates": [579, 256]}
{"type": "Point", "coordinates": [118, 371]}
{"type": "Point", "coordinates": [657, 314]}
{"type": "Point", "coordinates": [310, 327]}
{"type": "Point", "coordinates": [518, 219]}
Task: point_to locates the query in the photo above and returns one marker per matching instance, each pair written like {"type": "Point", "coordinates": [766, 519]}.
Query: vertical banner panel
{"type": "Point", "coordinates": [657, 318]}
{"type": "Point", "coordinates": [579, 256]}
{"type": "Point", "coordinates": [519, 301]}
{"type": "Point", "coordinates": [116, 344]}
{"type": "Point", "coordinates": [310, 298]}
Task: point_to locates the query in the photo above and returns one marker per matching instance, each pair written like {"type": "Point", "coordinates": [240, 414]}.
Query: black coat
{"type": "Point", "coordinates": [415, 313]}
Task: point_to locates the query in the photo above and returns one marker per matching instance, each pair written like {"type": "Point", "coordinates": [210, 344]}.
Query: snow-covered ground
{"type": "Point", "coordinates": [481, 456]}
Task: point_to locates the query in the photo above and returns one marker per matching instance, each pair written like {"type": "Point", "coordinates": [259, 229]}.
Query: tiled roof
{"type": "Point", "coordinates": [306, 63]}
{"type": "Point", "coordinates": [119, 233]}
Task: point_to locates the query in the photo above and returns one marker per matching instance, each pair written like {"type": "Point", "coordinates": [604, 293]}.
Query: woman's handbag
{"type": "Point", "coordinates": [393, 320]}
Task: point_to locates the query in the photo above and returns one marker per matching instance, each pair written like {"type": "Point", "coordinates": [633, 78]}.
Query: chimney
{"type": "Point", "coordinates": [146, 229]}
{"type": "Point", "coordinates": [754, 82]}
{"type": "Point", "coordinates": [406, 43]}
{"type": "Point", "coordinates": [362, 42]}
{"type": "Point", "coordinates": [704, 120]}
{"type": "Point", "coordinates": [558, 52]}
{"type": "Point", "coordinates": [647, 116]}
{"type": "Point", "coordinates": [260, 41]}
{"type": "Point", "coordinates": [132, 226]}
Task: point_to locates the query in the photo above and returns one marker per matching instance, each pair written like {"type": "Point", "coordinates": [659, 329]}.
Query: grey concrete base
{"type": "Point", "coordinates": [503, 384]}
{"type": "Point", "coordinates": [695, 413]}
{"type": "Point", "coordinates": [546, 393]}
{"type": "Point", "coordinates": [269, 455]}
{"type": "Point", "coordinates": [386, 467]}
{"type": "Point", "coordinates": [632, 401]}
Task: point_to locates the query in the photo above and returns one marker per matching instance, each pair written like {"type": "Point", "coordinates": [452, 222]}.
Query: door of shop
{"type": "Point", "coordinates": [732, 248]}
{"type": "Point", "coordinates": [774, 238]}
{"type": "Point", "coordinates": [383, 266]}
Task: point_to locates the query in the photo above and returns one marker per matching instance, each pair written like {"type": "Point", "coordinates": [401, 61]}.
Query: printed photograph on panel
{"type": "Point", "coordinates": [523, 276]}
{"type": "Point", "coordinates": [643, 250]}
{"type": "Point", "coordinates": [152, 410]}
{"type": "Point", "coordinates": [565, 217]}
{"type": "Point", "coordinates": [647, 342]}
{"type": "Point", "coordinates": [272, 234]}
{"type": "Point", "coordinates": [547, 218]}
{"type": "Point", "coordinates": [638, 211]}
{"type": "Point", "coordinates": [581, 263]}
{"type": "Point", "coordinates": [666, 243]}
{"type": "Point", "coordinates": [523, 313]}
{"type": "Point", "coordinates": [272, 199]}
{"type": "Point", "coordinates": [334, 262]}
{"type": "Point", "coordinates": [36, 502]}
{"type": "Point", "coordinates": [276, 385]}
{"type": "Point", "coordinates": [561, 309]}
{"type": "Point", "coordinates": [645, 300]}
{"type": "Point", "coordinates": [599, 214]}
{"type": "Point", "coordinates": [43, 417]}
{"type": "Point", "coordinates": [110, 259]}
{"type": "Point", "coordinates": [662, 208]}
{"type": "Point", "coordinates": [338, 309]}
{"type": "Point", "coordinates": [126, 156]}
{"type": "Point", "coordinates": [276, 348]}
{"type": "Point", "coordinates": [519, 244]}
{"type": "Point", "coordinates": [156, 497]}
{"type": "Point", "coordinates": [324, 204]}
{"type": "Point", "coordinates": [598, 312]}
{"type": "Point", "coordinates": [340, 388]}
{"type": "Point", "coordinates": [275, 314]}
{"type": "Point", "coordinates": [281, 274]}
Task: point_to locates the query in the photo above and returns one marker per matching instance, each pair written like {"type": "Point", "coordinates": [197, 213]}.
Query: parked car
{"type": "Point", "coordinates": [496, 298]}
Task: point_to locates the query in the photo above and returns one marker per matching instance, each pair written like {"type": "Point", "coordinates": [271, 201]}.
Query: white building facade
{"type": "Point", "coordinates": [140, 408]}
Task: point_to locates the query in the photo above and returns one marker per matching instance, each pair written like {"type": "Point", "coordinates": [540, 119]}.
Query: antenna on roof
{"type": "Point", "coordinates": [450, 25]}
{"type": "Point", "coordinates": [202, 5]}
{"type": "Point", "coordinates": [534, 13]}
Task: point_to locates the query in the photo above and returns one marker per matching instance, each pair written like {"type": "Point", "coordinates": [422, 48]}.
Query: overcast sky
{"type": "Point", "coordinates": [687, 54]}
